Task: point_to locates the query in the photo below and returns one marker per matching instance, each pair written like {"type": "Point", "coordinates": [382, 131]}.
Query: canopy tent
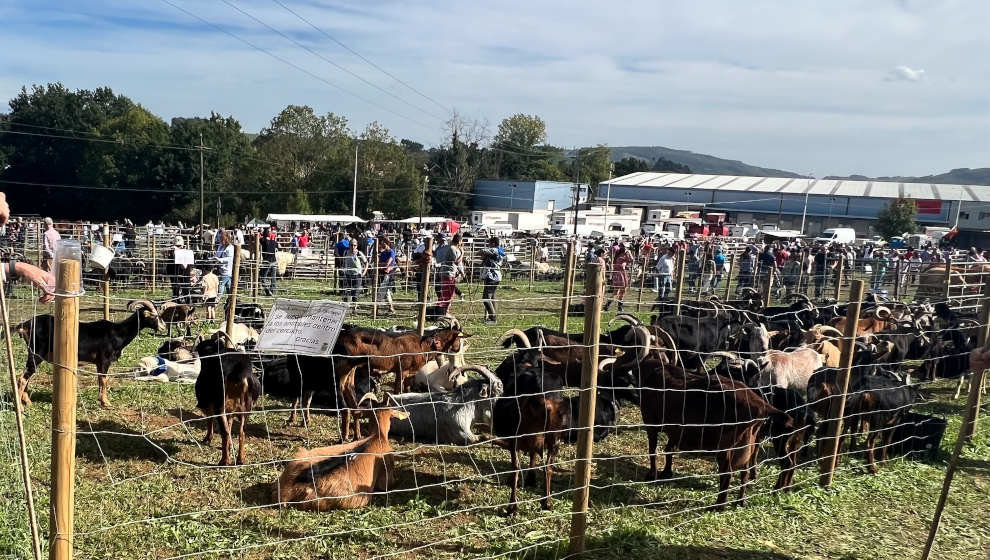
{"type": "Point", "coordinates": [315, 218]}
{"type": "Point", "coordinates": [425, 220]}
{"type": "Point", "coordinates": [257, 222]}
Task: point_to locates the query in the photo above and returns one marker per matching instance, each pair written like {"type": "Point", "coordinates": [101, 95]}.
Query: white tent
{"type": "Point", "coordinates": [425, 220]}
{"type": "Point", "coordinates": [315, 218]}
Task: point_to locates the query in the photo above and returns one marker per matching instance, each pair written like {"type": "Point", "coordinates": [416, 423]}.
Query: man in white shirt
{"type": "Point", "coordinates": [665, 272]}
{"type": "Point", "coordinates": [51, 238]}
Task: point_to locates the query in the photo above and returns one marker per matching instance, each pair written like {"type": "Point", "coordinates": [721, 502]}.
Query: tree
{"type": "Point", "coordinates": [522, 151]}
{"type": "Point", "coordinates": [665, 165]}
{"type": "Point", "coordinates": [898, 218]}
{"type": "Point", "coordinates": [628, 165]}
{"type": "Point", "coordinates": [595, 166]}
{"type": "Point", "coordinates": [456, 165]}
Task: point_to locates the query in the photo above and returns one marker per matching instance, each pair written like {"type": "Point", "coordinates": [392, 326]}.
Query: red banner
{"type": "Point", "coordinates": [929, 206]}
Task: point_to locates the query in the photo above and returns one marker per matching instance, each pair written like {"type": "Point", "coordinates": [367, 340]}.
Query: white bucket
{"type": "Point", "coordinates": [101, 256]}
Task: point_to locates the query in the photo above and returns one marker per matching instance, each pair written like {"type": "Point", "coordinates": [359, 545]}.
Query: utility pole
{"type": "Point", "coordinates": [422, 199]}
{"type": "Point", "coordinates": [577, 188]}
{"type": "Point", "coordinates": [354, 194]}
{"type": "Point", "coordinates": [804, 213]}
{"type": "Point", "coordinates": [202, 204]}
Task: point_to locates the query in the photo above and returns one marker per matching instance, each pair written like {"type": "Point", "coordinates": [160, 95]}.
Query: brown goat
{"type": "Point", "coordinates": [705, 413]}
{"type": "Point", "coordinates": [381, 352]}
{"type": "Point", "coordinates": [880, 321]}
{"type": "Point", "coordinates": [340, 476]}
{"type": "Point", "coordinates": [173, 313]}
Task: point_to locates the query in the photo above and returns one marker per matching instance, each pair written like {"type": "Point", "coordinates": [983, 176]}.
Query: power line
{"type": "Point", "coordinates": [184, 191]}
{"type": "Point", "coordinates": [357, 54]}
{"type": "Point", "coordinates": [292, 64]}
{"type": "Point", "coordinates": [329, 61]}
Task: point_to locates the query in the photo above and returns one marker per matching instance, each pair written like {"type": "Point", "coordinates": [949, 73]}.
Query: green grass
{"type": "Point", "coordinates": [159, 495]}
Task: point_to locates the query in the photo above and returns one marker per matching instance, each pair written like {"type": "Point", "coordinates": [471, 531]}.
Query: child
{"type": "Point", "coordinates": [211, 290]}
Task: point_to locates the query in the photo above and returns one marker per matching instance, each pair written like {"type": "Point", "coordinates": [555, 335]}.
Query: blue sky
{"type": "Point", "coordinates": [874, 86]}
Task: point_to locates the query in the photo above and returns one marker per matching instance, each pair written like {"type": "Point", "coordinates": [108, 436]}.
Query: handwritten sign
{"type": "Point", "coordinates": [302, 327]}
{"type": "Point", "coordinates": [185, 256]}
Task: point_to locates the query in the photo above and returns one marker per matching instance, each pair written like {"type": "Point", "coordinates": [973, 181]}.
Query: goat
{"type": "Point", "coordinates": [226, 389]}
{"type": "Point", "coordinates": [379, 352]}
{"type": "Point", "coordinates": [156, 368]}
{"type": "Point", "coordinates": [435, 375]}
{"type": "Point", "coordinates": [100, 343]}
{"type": "Point", "coordinates": [243, 336]}
{"type": "Point", "coordinates": [706, 413]}
{"type": "Point", "coordinates": [177, 313]}
{"type": "Point", "coordinates": [447, 417]}
{"type": "Point", "coordinates": [341, 476]}
{"type": "Point", "coordinates": [531, 417]}
{"type": "Point", "coordinates": [250, 314]}
{"type": "Point", "coordinates": [880, 321]}
{"type": "Point", "coordinates": [606, 416]}
{"type": "Point", "coordinates": [789, 369]}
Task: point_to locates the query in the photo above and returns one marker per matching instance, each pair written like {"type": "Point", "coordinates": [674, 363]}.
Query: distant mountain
{"type": "Point", "coordinates": [961, 176]}
{"type": "Point", "coordinates": [699, 163]}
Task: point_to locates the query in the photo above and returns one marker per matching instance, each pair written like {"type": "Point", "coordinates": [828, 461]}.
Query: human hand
{"type": "Point", "coordinates": [43, 280]}
{"type": "Point", "coordinates": [979, 359]}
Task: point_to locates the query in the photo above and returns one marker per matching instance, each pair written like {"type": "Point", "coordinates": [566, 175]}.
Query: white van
{"type": "Point", "coordinates": [837, 235]}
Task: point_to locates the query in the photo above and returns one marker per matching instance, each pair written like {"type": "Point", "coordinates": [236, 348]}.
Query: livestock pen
{"type": "Point", "coordinates": [145, 487]}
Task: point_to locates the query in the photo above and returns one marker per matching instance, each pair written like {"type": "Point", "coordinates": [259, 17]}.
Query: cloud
{"type": "Point", "coordinates": [905, 74]}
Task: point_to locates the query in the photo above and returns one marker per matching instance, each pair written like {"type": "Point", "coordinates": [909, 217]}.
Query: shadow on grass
{"type": "Point", "coordinates": [974, 466]}
{"type": "Point", "coordinates": [114, 441]}
{"type": "Point", "coordinates": [629, 543]}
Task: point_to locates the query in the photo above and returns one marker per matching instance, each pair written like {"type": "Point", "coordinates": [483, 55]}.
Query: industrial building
{"type": "Point", "coordinates": [526, 196]}
{"type": "Point", "coordinates": [807, 204]}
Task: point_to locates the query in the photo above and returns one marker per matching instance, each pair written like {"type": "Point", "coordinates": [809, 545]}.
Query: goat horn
{"type": "Point", "coordinates": [670, 340]}
{"type": "Point", "coordinates": [825, 328]}
{"type": "Point", "coordinates": [516, 332]}
{"type": "Point", "coordinates": [725, 355]}
{"type": "Point", "coordinates": [134, 304]}
{"type": "Point", "coordinates": [644, 348]}
{"type": "Point", "coordinates": [166, 304]}
{"type": "Point", "coordinates": [632, 320]}
{"type": "Point", "coordinates": [368, 397]}
{"type": "Point", "coordinates": [487, 373]}
{"type": "Point", "coordinates": [798, 295]}
{"type": "Point", "coordinates": [223, 334]}
{"type": "Point", "coordinates": [876, 312]}
{"type": "Point", "coordinates": [605, 362]}
{"type": "Point", "coordinates": [747, 289]}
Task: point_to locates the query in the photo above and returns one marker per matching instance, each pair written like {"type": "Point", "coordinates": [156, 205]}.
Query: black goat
{"type": "Point", "coordinates": [226, 388]}
{"type": "Point", "coordinates": [250, 314]}
{"type": "Point", "coordinates": [100, 342]}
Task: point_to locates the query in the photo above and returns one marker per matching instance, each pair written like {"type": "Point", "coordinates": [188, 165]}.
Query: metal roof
{"type": "Point", "coordinates": [778, 185]}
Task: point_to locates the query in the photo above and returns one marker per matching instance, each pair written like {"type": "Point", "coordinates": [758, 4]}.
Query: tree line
{"type": "Point", "coordinates": [97, 154]}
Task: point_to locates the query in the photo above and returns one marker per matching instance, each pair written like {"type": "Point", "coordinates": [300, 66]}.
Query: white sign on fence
{"type": "Point", "coordinates": [185, 256]}
{"type": "Point", "coordinates": [302, 326]}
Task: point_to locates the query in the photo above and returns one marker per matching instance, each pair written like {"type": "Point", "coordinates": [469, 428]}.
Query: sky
{"type": "Point", "coordinates": [875, 87]}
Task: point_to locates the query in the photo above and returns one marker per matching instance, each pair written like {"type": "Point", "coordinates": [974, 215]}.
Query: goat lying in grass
{"type": "Point", "coordinates": [340, 476]}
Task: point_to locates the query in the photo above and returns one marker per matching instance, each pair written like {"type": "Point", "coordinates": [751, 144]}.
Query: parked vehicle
{"type": "Point", "coordinates": [837, 235]}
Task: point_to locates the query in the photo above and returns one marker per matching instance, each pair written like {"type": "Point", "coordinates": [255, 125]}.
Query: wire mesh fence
{"type": "Point", "coordinates": [475, 454]}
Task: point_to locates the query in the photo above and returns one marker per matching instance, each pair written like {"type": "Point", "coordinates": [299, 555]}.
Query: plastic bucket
{"type": "Point", "coordinates": [101, 256]}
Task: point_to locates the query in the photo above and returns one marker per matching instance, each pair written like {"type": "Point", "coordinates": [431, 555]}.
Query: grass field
{"type": "Point", "coordinates": [147, 489]}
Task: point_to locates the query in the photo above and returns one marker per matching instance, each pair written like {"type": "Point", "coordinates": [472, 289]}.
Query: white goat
{"type": "Point", "coordinates": [241, 335]}
{"type": "Point", "coordinates": [436, 376]}
{"type": "Point", "coordinates": [790, 369]}
{"type": "Point", "coordinates": [156, 368]}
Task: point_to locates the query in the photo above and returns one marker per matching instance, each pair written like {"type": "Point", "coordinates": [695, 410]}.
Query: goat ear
{"type": "Point", "coordinates": [484, 392]}
{"type": "Point", "coordinates": [400, 414]}
{"type": "Point", "coordinates": [461, 334]}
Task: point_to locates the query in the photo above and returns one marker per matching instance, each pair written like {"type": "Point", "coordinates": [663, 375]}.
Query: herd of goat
{"type": "Point", "coordinates": [720, 377]}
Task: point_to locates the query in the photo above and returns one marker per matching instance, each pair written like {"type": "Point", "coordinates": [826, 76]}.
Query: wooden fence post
{"type": "Point", "coordinates": [966, 429]}
{"type": "Point", "coordinates": [40, 244]}
{"type": "Point", "coordinates": [679, 292]}
{"type": "Point", "coordinates": [19, 423]}
{"type": "Point", "coordinates": [642, 280]}
{"type": "Point", "coordinates": [565, 302]}
{"type": "Point", "coordinates": [728, 276]}
{"type": "Point", "coordinates": [256, 276]}
{"type": "Point", "coordinates": [768, 287]}
{"type": "Point", "coordinates": [235, 276]}
{"type": "Point", "coordinates": [64, 410]}
{"type": "Point", "coordinates": [897, 280]}
{"type": "Point", "coordinates": [374, 281]}
{"type": "Point", "coordinates": [838, 277]}
{"type": "Point", "coordinates": [589, 388]}
{"type": "Point", "coordinates": [424, 297]}
{"type": "Point", "coordinates": [948, 279]}
{"type": "Point", "coordinates": [336, 261]}
{"type": "Point", "coordinates": [830, 444]}
{"type": "Point", "coordinates": [532, 265]}
{"type": "Point", "coordinates": [106, 275]}
{"type": "Point", "coordinates": [154, 263]}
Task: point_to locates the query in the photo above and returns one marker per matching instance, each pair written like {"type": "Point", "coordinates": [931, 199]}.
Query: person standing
{"type": "Point", "coordinates": [768, 264]}
{"type": "Point", "coordinates": [210, 285]}
{"type": "Point", "coordinates": [719, 260]}
{"type": "Point", "coordinates": [386, 278]}
{"type": "Point", "coordinates": [449, 260]}
{"type": "Point", "coordinates": [665, 273]}
{"type": "Point", "coordinates": [880, 263]}
{"type": "Point", "coordinates": [492, 257]}
{"type": "Point", "coordinates": [51, 238]}
{"type": "Point", "coordinates": [177, 273]}
{"type": "Point", "coordinates": [225, 254]}
{"type": "Point", "coordinates": [747, 266]}
{"type": "Point", "coordinates": [354, 266]}
{"type": "Point", "coordinates": [268, 277]}
{"type": "Point", "coordinates": [620, 276]}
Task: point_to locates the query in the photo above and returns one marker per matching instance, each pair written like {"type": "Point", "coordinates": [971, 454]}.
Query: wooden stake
{"type": "Point", "coordinates": [65, 365]}
{"type": "Point", "coordinates": [235, 276]}
{"type": "Point", "coordinates": [256, 280]}
{"type": "Point", "coordinates": [838, 277]}
{"type": "Point", "coordinates": [897, 280]}
{"type": "Point", "coordinates": [19, 421]}
{"type": "Point", "coordinates": [837, 409]}
{"type": "Point", "coordinates": [565, 302]}
{"type": "Point", "coordinates": [948, 279]}
{"type": "Point", "coordinates": [154, 264]}
{"type": "Point", "coordinates": [679, 292]}
{"type": "Point", "coordinates": [966, 429]}
{"type": "Point", "coordinates": [374, 282]}
{"type": "Point", "coordinates": [642, 280]}
{"type": "Point", "coordinates": [768, 288]}
{"type": "Point", "coordinates": [106, 276]}
{"type": "Point", "coordinates": [532, 265]}
{"type": "Point", "coordinates": [589, 388]}
{"type": "Point", "coordinates": [424, 298]}
{"type": "Point", "coordinates": [728, 276]}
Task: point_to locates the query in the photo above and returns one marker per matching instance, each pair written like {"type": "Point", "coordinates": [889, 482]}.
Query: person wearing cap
{"type": "Point", "coordinates": [51, 238]}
